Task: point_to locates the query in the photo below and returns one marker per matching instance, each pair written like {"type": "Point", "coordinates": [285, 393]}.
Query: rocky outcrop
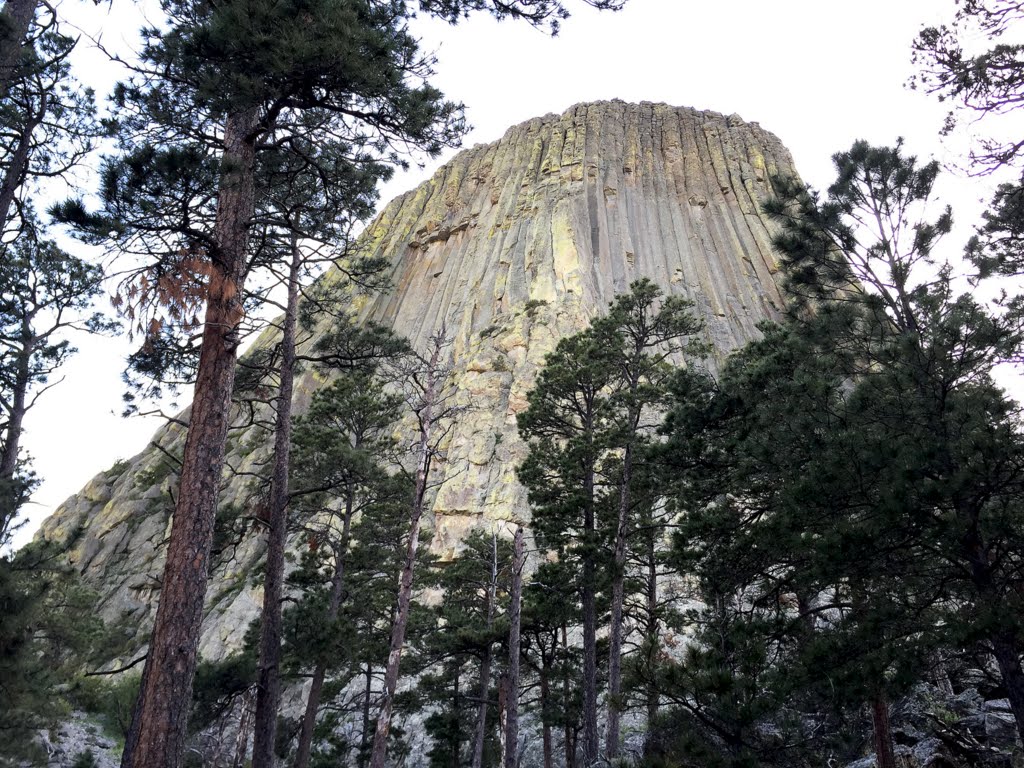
{"type": "Point", "coordinates": [509, 247]}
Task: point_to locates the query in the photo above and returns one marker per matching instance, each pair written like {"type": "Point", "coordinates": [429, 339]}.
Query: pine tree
{"type": "Point", "coordinates": [48, 631]}
{"type": "Point", "coordinates": [342, 451]}
{"type": "Point", "coordinates": [515, 621]}
{"type": "Point", "coordinates": [427, 393]}
{"type": "Point", "coordinates": [45, 293]}
{"type": "Point", "coordinates": [470, 620]}
{"type": "Point", "coordinates": [975, 63]}
{"type": "Point", "coordinates": [641, 337]}
{"type": "Point", "coordinates": [549, 607]}
{"type": "Point", "coordinates": [792, 525]}
{"type": "Point", "coordinates": [567, 426]}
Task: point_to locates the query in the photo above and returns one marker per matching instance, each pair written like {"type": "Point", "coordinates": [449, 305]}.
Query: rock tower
{"type": "Point", "coordinates": [510, 246]}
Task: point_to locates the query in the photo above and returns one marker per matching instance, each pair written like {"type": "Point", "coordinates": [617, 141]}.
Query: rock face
{"type": "Point", "coordinates": [509, 247]}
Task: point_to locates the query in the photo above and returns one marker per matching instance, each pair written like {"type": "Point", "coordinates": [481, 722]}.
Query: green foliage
{"type": "Point", "coordinates": [350, 502]}
{"type": "Point", "coordinates": [975, 63]}
{"type": "Point", "coordinates": [533, 305]}
{"type": "Point", "coordinates": [220, 684]}
{"type": "Point", "coordinates": [469, 622]}
{"type": "Point", "coordinates": [44, 293]}
{"type": "Point", "coordinates": [110, 698]}
{"type": "Point", "coordinates": [49, 628]}
{"type": "Point", "coordinates": [86, 759]}
{"type": "Point", "coordinates": [337, 91]}
{"type": "Point", "coordinates": [998, 246]}
{"type": "Point", "coordinates": [955, 66]}
{"type": "Point", "coordinates": [849, 478]}
{"type": "Point", "coordinates": [550, 608]}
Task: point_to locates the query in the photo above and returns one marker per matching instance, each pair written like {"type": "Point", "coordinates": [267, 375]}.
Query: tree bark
{"type": "Point", "coordinates": [590, 738]}
{"type": "Point", "coordinates": [10, 496]}
{"type": "Point", "coordinates": [618, 598]}
{"type": "Point", "coordinates": [884, 755]}
{"type": "Point", "coordinates": [305, 747]}
{"type": "Point", "coordinates": [429, 401]}
{"type": "Point", "coordinates": [159, 725]}
{"type": "Point", "coordinates": [364, 736]}
{"type": "Point", "coordinates": [1007, 654]}
{"type": "Point", "coordinates": [570, 741]}
{"type": "Point", "coordinates": [244, 725]}
{"type": "Point", "coordinates": [485, 664]}
{"type": "Point", "coordinates": [545, 733]}
{"type": "Point", "coordinates": [268, 673]}
{"type": "Point", "coordinates": [17, 165]}
{"type": "Point", "coordinates": [14, 27]}
{"type": "Point", "coordinates": [652, 628]}
{"type": "Point", "coordinates": [503, 696]}
{"type": "Point", "coordinates": [515, 622]}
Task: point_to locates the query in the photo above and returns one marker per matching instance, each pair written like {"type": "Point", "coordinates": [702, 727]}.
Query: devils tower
{"type": "Point", "coordinates": [509, 247]}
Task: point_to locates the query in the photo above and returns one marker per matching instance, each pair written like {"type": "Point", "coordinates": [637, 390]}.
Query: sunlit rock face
{"type": "Point", "coordinates": [509, 247]}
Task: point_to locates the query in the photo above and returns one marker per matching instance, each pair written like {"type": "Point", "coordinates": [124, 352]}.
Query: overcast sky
{"type": "Point", "coordinates": [818, 74]}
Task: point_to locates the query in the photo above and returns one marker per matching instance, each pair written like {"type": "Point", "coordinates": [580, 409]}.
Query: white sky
{"type": "Point", "coordinates": [817, 73]}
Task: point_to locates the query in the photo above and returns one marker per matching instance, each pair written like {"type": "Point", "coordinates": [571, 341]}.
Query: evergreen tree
{"type": "Point", "coordinates": [48, 630]}
{"type": "Point", "coordinates": [470, 620]}
{"type": "Point", "coordinates": [44, 293]}
{"type": "Point", "coordinates": [567, 426]}
{"type": "Point", "coordinates": [590, 417]}
{"type": "Point", "coordinates": [48, 121]}
{"type": "Point", "coordinates": [427, 393]}
{"type": "Point", "coordinates": [216, 84]}
{"type": "Point", "coordinates": [858, 464]}
{"type": "Point", "coordinates": [954, 67]}
{"type": "Point", "coordinates": [640, 336]}
{"type": "Point", "coordinates": [782, 527]}
{"type": "Point", "coordinates": [515, 622]}
{"type": "Point", "coordinates": [343, 448]}
{"type": "Point", "coordinates": [549, 609]}
{"type": "Point", "coordinates": [975, 63]}
{"type": "Point", "coordinates": [932, 396]}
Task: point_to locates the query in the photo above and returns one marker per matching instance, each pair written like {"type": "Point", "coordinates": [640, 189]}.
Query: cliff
{"type": "Point", "coordinates": [510, 246]}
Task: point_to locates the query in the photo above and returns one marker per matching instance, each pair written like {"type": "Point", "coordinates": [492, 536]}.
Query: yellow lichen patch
{"type": "Point", "coordinates": [566, 257]}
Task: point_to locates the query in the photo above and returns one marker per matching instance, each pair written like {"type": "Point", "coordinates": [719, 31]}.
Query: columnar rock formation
{"type": "Point", "coordinates": [509, 247]}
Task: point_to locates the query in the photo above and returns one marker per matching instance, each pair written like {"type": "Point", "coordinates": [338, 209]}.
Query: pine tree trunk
{"type": "Point", "coordinates": [545, 698]}
{"type": "Point", "coordinates": [17, 164]}
{"type": "Point", "coordinates": [653, 628]}
{"type": "Point", "coordinates": [618, 598]}
{"type": "Point", "coordinates": [884, 755]}
{"type": "Point", "coordinates": [305, 746]}
{"type": "Point", "coordinates": [159, 725]}
{"type": "Point", "coordinates": [429, 401]}
{"type": "Point", "coordinates": [16, 20]}
{"type": "Point", "coordinates": [10, 495]}
{"type": "Point", "coordinates": [244, 726]}
{"type": "Point", "coordinates": [570, 742]}
{"type": "Point", "coordinates": [456, 741]}
{"type": "Point", "coordinates": [590, 738]}
{"type": "Point", "coordinates": [485, 665]}
{"type": "Point", "coordinates": [268, 674]}
{"type": "Point", "coordinates": [503, 691]}
{"type": "Point", "coordinates": [364, 737]}
{"type": "Point", "coordinates": [1007, 654]}
{"type": "Point", "coordinates": [515, 622]}
{"type": "Point", "coordinates": [481, 712]}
